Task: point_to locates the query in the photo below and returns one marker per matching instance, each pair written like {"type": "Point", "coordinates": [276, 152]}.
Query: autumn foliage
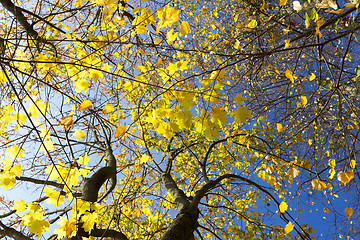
{"type": "Point", "coordinates": [179, 120]}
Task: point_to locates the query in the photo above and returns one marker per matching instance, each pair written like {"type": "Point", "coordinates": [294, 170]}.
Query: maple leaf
{"type": "Point", "coordinates": [241, 114]}
{"type": "Point", "coordinates": [167, 16]}
{"type": "Point", "coordinates": [327, 4]}
{"type": "Point", "coordinates": [66, 227]}
{"type": "Point", "coordinates": [144, 159]}
{"type": "Point", "coordinates": [297, 6]}
{"type": "Point", "coordinates": [89, 219]}
{"type": "Point", "coordinates": [141, 22]}
{"type": "Point", "coordinates": [47, 145]}
{"type": "Point", "coordinates": [79, 134]}
{"type": "Point", "coordinates": [84, 160]}
{"type": "Point", "coordinates": [38, 107]}
{"type": "Point", "coordinates": [86, 104]}
{"type": "Point", "coordinates": [54, 196]}
{"type": "Point", "coordinates": [15, 151]}
{"type": "Point", "coordinates": [81, 85]}
{"type": "Point", "coordinates": [171, 36]}
{"type": "Point", "coordinates": [19, 206]}
{"type": "Point", "coordinates": [67, 122]}
{"type": "Point", "coordinates": [352, 163]}
{"type": "Point", "coordinates": [120, 130]}
{"type": "Point", "coordinates": [282, 2]}
{"type": "Point", "coordinates": [109, 108]}
{"type": "Point", "coordinates": [38, 226]}
{"type": "Point", "coordinates": [252, 24]}
{"type": "Point", "coordinates": [95, 74]}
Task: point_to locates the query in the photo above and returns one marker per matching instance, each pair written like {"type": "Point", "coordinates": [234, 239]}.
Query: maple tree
{"type": "Point", "coordinates": [179, 119]}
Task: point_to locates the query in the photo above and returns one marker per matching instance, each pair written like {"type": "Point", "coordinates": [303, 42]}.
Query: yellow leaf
{"type": "Point", "coordinates": [289, 75]}
{"type": "Point", "coordinates": [81, 85]}
{"type": "Point", "coordinates": [19, 206]}
{"type": "Point", "coordinates": [289, 227]}
{"type": "Point", "coordinates": [16, 170]}
{"type": "Point", "coordinates": [66, 228]}
{"type": "Point", "coordinates": [48, 144]}
{"type": "Point", "coordinates": [54, 196]}
{"type": "Point", "coordinates": [318, 185]}
{"type": "Point", "coordinates": [167, 16]}
{"type": "Point", "coordinates": [349, 212]}
{"type": "Point", "coordinates": [280, 128]}
{"type": "Point", "coordinates": [67, 122]}
{"type": "Point", "coordinates": [287, 43]}
{"type": "Point", "coordinates": [252, 24]}
{"type": "Point", "coordinates": [120, 130]}
{"type": "Point", "coordinates": [157, 41]}
{"type": "Point", "coordinates": [307, 20]}
{"type": "Point", "coordinates": [86, 104]}
{"type": "Point", "coordinates": [15, 151]}
{"type": "Point", "coordinates": [332, 163]}
{"type": "Point", "coordinates": [185, 28]}
{"type": "Point", "coordinates": [310, 142]}
{"type": "Point", "coordinates": [312, 77]}
{"type": "Point", "coordinates": [109, 107]}
{"type": "Point", "coordinates": [326, 210]}
{"type": "Point", "coordinates": [352, 163]}
{"type": "Point", "coordinates": [345, 177]}
{"type": "Point", "coordinates": [332, 173]}
{"type": "Point", "coordinates": [79, 134]}
{"type": "Point", "coordinates": [171, 36]}
{"type": "Point", "coordinates": [282, 2]}
{"type": "Point", "coordinates": [89, 220]}
{"type": "Point", "coordinates": [144, 159]}
{"type": "Point", "coordinates": [241, 114]}
{"type": "Point", "coordinates": [303, 100]}
{"type": "Point", "coordinates": [84, 160]}
{"type": "Point", "coordinates": [237, 44]}
{"type": "Point", "coordinates": [283, 207]}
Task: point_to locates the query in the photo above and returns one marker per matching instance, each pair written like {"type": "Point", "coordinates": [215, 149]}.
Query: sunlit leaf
{"type": "Point", "coordinates": [293, 172]}
{"type": "Point", "coordinates": [349, 212]}
{"type": "Point", "coordinates": [282, 2]}
{"type": "Point", "coordinates": [345, 177]}
{"type": "Point", "coordinates": [280, 127]}
{"type": "Point", "coordinates": [318, 185]}
{"type": "Point", "coordinates": [289, 75]}
{"type": "Point", "coordinates": [185, 28]}
{"type": "Point", "coordinates": [120, 130]}
{"type": "Point", "coordinates": [67, 122]}
{"type": "Point", "coordinates": [303, 100]}
{"type": "Point", "coordinates": [109, 107]}
{"type": "Point", "coordinates": [79, 134]}
{"type": "Point", "coordinates": [289, 227]}
{"type": "Point", "coordinates": [283, 207]}
{"type": "Point", "coordinates": [252, 24]}
{"type": "Point", "coordinates": [86, 104]}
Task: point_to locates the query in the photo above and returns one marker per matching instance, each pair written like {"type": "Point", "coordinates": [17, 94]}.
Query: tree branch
{"type": "Point", "coordinates": [11, 232]}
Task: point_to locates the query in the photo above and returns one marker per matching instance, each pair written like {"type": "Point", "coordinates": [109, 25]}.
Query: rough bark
{"type": "Point", "coordinates": [11, 232]}
{"type": "Point", "coordinates": [90, 192]}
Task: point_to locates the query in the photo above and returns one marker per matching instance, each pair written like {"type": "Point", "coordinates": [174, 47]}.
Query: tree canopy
{"type": "Point", "coordinates": [179, 120]}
